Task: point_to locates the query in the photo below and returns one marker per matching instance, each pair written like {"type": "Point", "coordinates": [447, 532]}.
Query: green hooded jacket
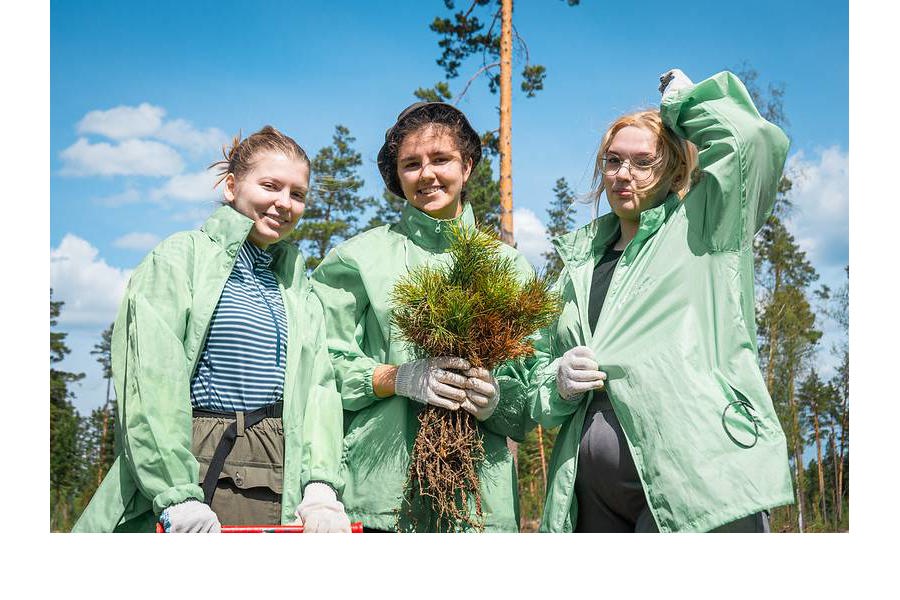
{"type": "Point", "coordinates": [158, 337]}
{"type": "Point", "coordinates": [354, 283]}
{"type": "Point", "coordinates": [677, 334]}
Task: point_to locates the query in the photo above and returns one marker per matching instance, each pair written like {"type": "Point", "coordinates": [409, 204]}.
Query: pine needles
{"type": "Point", "coordinates": [475, 308]}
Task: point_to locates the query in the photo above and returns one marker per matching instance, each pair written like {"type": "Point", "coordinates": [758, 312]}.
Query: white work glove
{"type": "Point", "coordinates": [673, 80]}
{"type": "Point", "coordinates": [428, 382]}
{"type": "Point", "coordinates": [482, 393]}
{"type": "Point", "coordinates": [191, 516]}
{"type": "Point", "coordinates": [320, 511]}
{"type": "Point", "coordinates": [578, 372]}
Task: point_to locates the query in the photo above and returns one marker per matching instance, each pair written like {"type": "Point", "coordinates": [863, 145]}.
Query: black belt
{"type": "Point", "coordinates": [246, 420]}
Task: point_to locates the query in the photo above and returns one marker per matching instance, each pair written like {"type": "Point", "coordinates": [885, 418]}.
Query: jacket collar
{"type": "Point", "coordinates": [428, 232]}
{"type": "Point", "coordinates": [229, 229]}
{"type": "Point", "coordinates": [589, 242]}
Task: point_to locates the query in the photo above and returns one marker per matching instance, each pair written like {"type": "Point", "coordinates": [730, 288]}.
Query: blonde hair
{"type": "Point", "coordinates": [678, 157]}
{"type": "Point", "coordinates": [239, 158]}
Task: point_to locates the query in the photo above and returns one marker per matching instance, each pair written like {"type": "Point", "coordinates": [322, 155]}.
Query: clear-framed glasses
{"type": "Point", "coordinates": [641, 168]}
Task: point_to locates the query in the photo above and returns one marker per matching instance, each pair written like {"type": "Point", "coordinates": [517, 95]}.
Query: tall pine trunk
{"type": "Point", "coordinates": [840, 481]}
{"type": "Point", "coordinates": [506, 201]}
{"type": "Point", "coordinates": [798, 449]}
{"type": "Point", "coordinates": [540, 436]}
{"type": "Point", "coordinates": [819, 462]}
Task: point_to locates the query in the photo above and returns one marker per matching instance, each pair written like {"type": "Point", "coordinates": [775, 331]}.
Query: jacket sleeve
{"type": "Point", "coordinates": [546, 406]}
{"type": "Point", "coordinates": [152, 379]}
{"type": "Point", "coordinates": [323, 424]}
{"type": "Point", "coordinates": [339, 287]}
{"type": "Point", "coordinates": [741, 158]}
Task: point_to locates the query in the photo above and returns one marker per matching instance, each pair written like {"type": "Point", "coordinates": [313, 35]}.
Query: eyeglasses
{"type": "Point", "coordinates": [640, 168]}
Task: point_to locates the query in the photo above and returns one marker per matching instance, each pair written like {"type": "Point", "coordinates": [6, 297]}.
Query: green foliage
{"type": "Point", "coordinates": [532, 473]}
{"type": "Point", "coordinates": [483, 193]}
{"type": "Point", "coordinates": [464, 35]}
{"type": "Point", "coordinates": [333, 205]}
{"type": "Point", "coordinates": [67, 466]}
{"type": "Point", "coordinates": [475, 307]}
{"type": "Point", "coordinates": [561, 212]}
{"type": "Point", "coordinates": [439, 93]}
{"type": "Point", "coordinates": [387, 210]}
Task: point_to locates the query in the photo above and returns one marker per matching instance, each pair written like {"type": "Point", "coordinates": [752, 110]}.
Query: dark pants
{"type": "Point", "coordinates": [249, 488]}
{"type": "Point", "coordinates": [607, 486]}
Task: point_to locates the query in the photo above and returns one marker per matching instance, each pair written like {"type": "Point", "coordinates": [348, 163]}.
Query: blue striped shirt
{"type": "Point", "coordinates": [242, 364]}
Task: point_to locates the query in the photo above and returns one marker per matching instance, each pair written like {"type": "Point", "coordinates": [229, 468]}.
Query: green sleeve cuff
{"type": "Point", "coordinates": [176, 495]}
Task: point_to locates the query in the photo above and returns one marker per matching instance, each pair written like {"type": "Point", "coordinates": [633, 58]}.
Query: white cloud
{"type": "Point", "coordinates": [131, 157]}
{"type": "Point", "coordinates": [89, 286]}
{"type": "Point", "coordinates": [531, 236]}
{"type": "Point", "coordinates": [820, 196]}
{"type": "Point", "coordinates": [147, 121]}
{"type": "Point", "coordinates": [123, 122]}
{"type": "Point", "coordinates": [129, 196]}
{"type": "Point", "coordinates": [195, 187]}
{"type": "Point", "coordinates": [182, 134]}
{"type": "Point", "coordinates": [137, 241]}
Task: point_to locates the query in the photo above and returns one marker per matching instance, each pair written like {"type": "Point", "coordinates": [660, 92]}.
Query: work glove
{"type": "Point", "coordinates": [673, 80]}
{"type": "Point", "coordinates": [577, 373]}
{"type": "Point", "coordinates": [482, 393]}
{"type": "Point", "coordinates": [191, 516]}
{"type": "Point", "coordinates": [320, 511]}
{"type": "Point", "coordinates": [428, 382]}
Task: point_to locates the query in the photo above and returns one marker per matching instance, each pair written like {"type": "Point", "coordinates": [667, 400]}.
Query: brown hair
{"type": "Point", "coordinates": [239, 159]}
{"type": "Point", "coordinates": [678, 157]}
{"type": "Point", "coordinates": [443, 118]}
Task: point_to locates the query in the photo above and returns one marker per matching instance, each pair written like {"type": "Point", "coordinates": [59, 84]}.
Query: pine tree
{"type": "Point", "coordinates": [387, 210]}
{"type": "Point", "coordinates": [813, 399]}
{"type": "Point", "coordinates": [561, 212]}
{"type": "Point", "coordinates": [465, 35]}
{"type": "Point", "coordinates": [66, 432]}
{"type": "Point", "coordinates": [103, 419]}
{"type": "Point", "coordinates": [482, 191]}
{"type": "Point", "coordinates": [333, 205]}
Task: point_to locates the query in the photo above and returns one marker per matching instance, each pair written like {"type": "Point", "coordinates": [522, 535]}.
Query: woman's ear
{"type": "Point", "coordinates": [229, 188]}
{"type": "Point", "coordinates": [467, 170]}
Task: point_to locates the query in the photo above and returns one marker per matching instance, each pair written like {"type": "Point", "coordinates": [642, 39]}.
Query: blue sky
{"type": "Point", "coordinates": [142, 93]}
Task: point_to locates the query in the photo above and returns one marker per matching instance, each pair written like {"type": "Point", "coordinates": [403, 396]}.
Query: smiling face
{"type": "Point", "coordinates": [432, 171]}
{"type": "Point", "coordinates": [272, 193]}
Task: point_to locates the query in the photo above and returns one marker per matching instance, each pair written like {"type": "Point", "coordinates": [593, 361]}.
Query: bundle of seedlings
{"type": "Point", "coordinates": [475, 308]}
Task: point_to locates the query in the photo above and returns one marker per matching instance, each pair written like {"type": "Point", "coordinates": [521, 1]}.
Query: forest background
{"type": "Point", "coordinates": [137, 113]}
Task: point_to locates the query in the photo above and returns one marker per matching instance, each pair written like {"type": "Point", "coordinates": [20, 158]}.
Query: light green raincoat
{"type": "Point", "coordinates": [677, 334]}
{"type": "Point", "coordinates": [354, 283]}
{"type": "Point", "coordinates": [158, 337]}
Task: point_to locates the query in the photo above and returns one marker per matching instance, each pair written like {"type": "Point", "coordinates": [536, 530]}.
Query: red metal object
{"type": "Point", "coordinates": [354, 528]}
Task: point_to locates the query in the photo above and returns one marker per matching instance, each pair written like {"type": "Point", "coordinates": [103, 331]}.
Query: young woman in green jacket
{"type": "Point", "coordinates": [227, 407]}
{"type": "Point", "coordinates": [427, 157]}
{"type": "Point", "coordinates": [652, 367]}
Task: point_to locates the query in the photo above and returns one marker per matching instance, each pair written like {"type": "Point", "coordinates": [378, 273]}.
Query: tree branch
{"type": "Point", "coordinates": [473, 78]}
{"type": "Point", "coordinates": [524, 45]}
{"type": "Point", "coordinates": [489, 35]}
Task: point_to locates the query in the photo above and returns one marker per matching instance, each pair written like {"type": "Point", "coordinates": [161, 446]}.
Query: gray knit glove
{"type": "Point", "coordinates": [482, 393]}
{"type": "Point", "coordinates": [191, 516]}
{"type": "Point", "coordinates": [428, 382]}
{"type": "Point", "coordinates": [577, 373]}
